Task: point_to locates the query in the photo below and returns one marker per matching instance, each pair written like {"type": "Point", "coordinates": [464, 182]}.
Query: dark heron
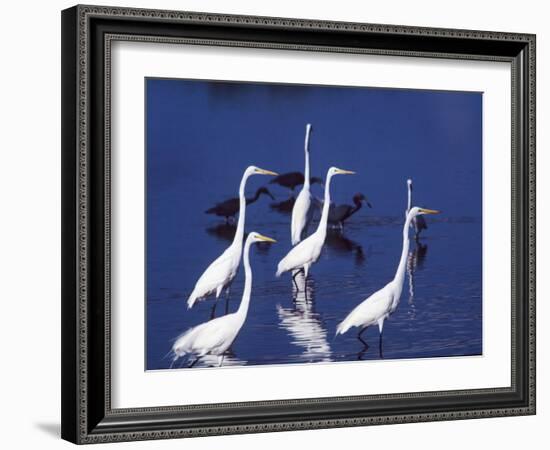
{"type": "Point", "coordinates": [230, 207]}
{"type": "Point", "coordinates": [337, 215]}
{"type": "Point", "coordinates": [291, 180]}
{"type": "Point", "coordinates": [418, 223]}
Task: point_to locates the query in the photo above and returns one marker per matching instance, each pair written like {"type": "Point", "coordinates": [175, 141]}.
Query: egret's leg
{"type": "Point", "coordinates": [218, 292]}
{"type": "Point", "coordinates": [220, 359]}
{"type": "Point", "coordinates": [306, 271]}
{"type": "Point", "coordinates": [381, 329]}
{"type": "Point", "coordinates": [227, 293]}
{"type": "Point", "coordinates": [213, 312]}
{"type": "Point", "coordinates": [361, 339]}
{"type": "Point", "coordinates": [194, 362]}
{"type": "Point", "coordinates": [174, 359]}
{"type": "Point", "coordinates": [294, 278]}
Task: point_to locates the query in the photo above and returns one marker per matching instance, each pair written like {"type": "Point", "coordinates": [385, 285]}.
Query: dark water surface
{"type": "Point", "coordinates": [201, 138]}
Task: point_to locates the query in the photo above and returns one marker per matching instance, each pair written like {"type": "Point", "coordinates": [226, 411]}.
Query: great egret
{"type": "Point", "coordinates": [418, 223]}
{"type": "Point", "coordinates": [293, 179]}
{"type": "Point", "coordinates": [376, 308]}
{"type": "Point", "coordinates": [337, 215]}
{"type": "Point", "coordinates": [303, 255]}
{"type": "Point", "coordinates": [221, 272]}
{"type": "Point", "coordinates": [301, 212]}
{"type": "Point", "coordinates": [230, 207]}
{"type": "Point", "coordinates": [216, 336]}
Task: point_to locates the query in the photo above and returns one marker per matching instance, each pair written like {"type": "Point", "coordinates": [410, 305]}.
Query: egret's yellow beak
{"type": "Point", "coordinates": [266, 172]}
{"type": "Point", "coordinates": [429, 211]}
{"type": "Point", "coordinates": [265, 238]}
{"type": "Point", "coordinates": [344, 172]}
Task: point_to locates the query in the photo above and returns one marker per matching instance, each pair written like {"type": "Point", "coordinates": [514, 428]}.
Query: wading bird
{"type": "Point", "coordinates": [220, 273]}
{"type": "Point", "coordinates": [230, 207]}
{"type": "Point", "coordinates": [301, 211]}
{"type": "Point", "coordinates": [216, 336]}
{"type": "Point", "coordinates": [418, 223]}
{"type": "Point", "coordinates": [291, 180]}
{"type": "Point", "coordinates": [307, 252]}
{"type": "Point", "coordinates": [337, 215]}
{"type": "Point", "coordinates": [376, 308]}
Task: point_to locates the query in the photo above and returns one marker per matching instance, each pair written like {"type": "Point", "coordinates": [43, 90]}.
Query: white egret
{"type": "Point", "coordinates": [418, 223]}
{"type": "Point", "coordinates": [301, 211]}
{"type": "Point", "coordinates": [216, 336]}
{"type": "Point", "coordinates": [307, 252]}
{"type": "Point", "coordinates": [376, 308]}
{"type": "Point", "coordinates": [220, 273]}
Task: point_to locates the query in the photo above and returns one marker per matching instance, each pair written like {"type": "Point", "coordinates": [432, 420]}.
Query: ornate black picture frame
{"type": "Point", "coordinates": [87, 34]}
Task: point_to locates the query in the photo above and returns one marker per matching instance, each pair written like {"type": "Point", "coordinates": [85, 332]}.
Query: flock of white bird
{"type": "Point", "coordinates": [215, 337]}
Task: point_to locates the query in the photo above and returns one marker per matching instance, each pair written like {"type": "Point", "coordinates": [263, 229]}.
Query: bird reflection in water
{"type": "Point", "coordinates": [341, 244]}
{"type": "Point", "coordinates": [303, 324]}
{"type": "Point", "coordinates": [415, 261]}
{"type": "Point", "coordinates": [223, 231]}
{"type": "Point", "coordinates": [284, 207]}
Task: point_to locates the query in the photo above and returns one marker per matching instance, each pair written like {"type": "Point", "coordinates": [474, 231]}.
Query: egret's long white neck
{"type": "Point", "coordinates": [409, 188]}
{"type": "Point", "coordinates": [243, 307]}
{"type": "Point", "coordinates": [322, 228]}
{"type": "Point", "coordinates": [306, 151]}
{"type": "Point", "coordinates": [239, 233]}
{"type": "Point", "coordinates": [400, 273]}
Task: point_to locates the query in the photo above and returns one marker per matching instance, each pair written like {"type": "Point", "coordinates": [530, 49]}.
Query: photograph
{"type": "Point", "coordinates": [300, 224]}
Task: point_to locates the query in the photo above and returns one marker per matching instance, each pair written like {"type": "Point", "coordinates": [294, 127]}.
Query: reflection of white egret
{"type": "Point", "coordinates": [303, 255]}
{"type": "Point", "coordinates": [304, 325]}
{"type": "Point", "coordinates": [221, 272]}
{"type": "Point", "coordinates": [301, 212]}
{"type": "Point", "coordinates": [418, 223]}
{"type": "Point", "coordinates": [216, 336]}
{"type": "Point", "coordinates": [376, 308]}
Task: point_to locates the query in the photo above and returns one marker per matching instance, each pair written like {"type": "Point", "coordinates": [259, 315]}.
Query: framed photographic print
{"type": "Point", "coordinates": [281, 224]}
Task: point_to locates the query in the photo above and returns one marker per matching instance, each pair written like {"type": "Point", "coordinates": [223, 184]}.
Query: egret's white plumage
{"type": "Point", "coordinates": [221, 272]}
{"type": "Point", "coordinates": [302, 212]}
{"type": "Point", "coordinates": [376, 308]}
{"type": "Point", "coordinates": [307, 252]}
{"type": "Point", "coordinates": [216, 336]}
{"type": "Point", "coordinates": [418, 223]}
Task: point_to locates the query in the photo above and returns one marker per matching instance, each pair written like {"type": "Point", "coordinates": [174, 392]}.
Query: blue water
{"type": "Point", "coordinates": [200, 138]}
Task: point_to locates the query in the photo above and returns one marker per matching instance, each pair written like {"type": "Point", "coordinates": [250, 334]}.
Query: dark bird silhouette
{"type": "Point", "coordinates": [292, 179]}
{"type": "Point", "coordinates": [418, 223]}
{"type": "Point", "coordinates": [230, 207]}
{"type": "Point", "coordinates": [337, 215]}
{"type": "Point", "coordinates": [284, 207]}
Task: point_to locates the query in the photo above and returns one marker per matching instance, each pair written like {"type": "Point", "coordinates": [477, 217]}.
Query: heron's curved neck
{"type": "Point", "coordinates": [306, 151]}
{"type": "Point", "coordinates": [326, 206]}
{"type": "Point", "coordinates": [253, 199]}
{"type": "Point", "coordinates": [409, 198]}
{"type": "Point", "coordinates": [400, 273]}
{"type": "Point", "coordinates": [358, 206]}
{"type": "Point", "coordinates": [239, 233]}
{"type": "Point", "coordinates": [243, 307]}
